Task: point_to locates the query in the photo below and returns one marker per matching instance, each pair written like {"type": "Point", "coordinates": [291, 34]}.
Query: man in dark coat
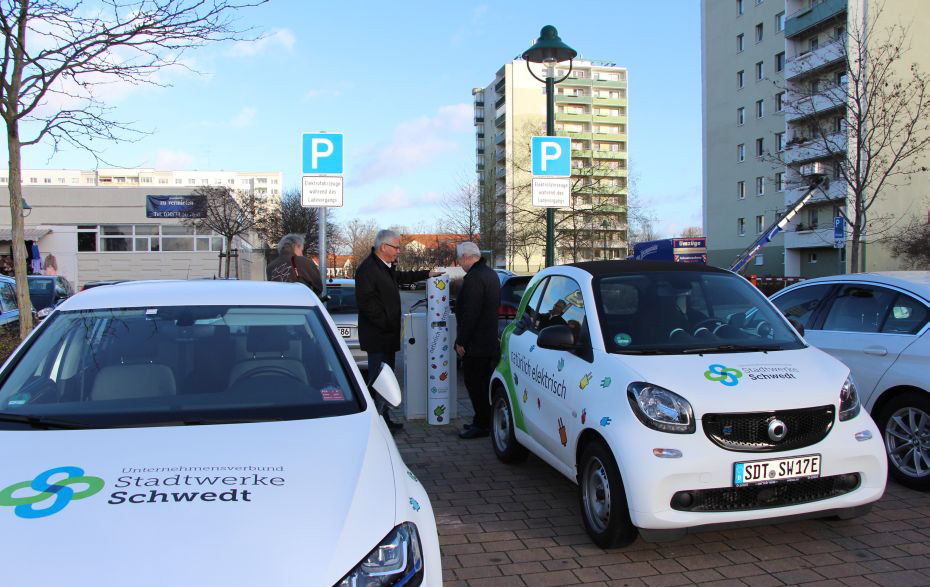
{"type": "Point", "coordinates": [476, 342]}
{"type": "Point", "coordinates": [378, 298]}
{"type": "Point", "coordinates": [291, 265]}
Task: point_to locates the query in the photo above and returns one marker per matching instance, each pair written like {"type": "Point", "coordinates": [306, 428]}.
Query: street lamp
{"type": "Point", "coordinates": [549, 50]}
{"type": "Point", "coordinates": [27, 209]}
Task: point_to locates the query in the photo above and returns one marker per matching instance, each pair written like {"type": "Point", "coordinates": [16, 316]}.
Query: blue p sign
{"type": "Point", "coordinates": [322, 153]}
{"type": "Point", "coordinates": [552, 156]}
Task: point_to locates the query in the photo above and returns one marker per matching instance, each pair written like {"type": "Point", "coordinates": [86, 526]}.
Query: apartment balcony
{"type": "Point", "coordinates": [599, 154]}
{"type": "Point", "coordinates": [479, 120]}
{"type": "Point", "coordinates": [573, 99]}
{"type": "Point", "coordinates": [808, 18]}
{"type": "Point", "coordinates": [500, 102]}
{"type": "Point", "coordinates": [812, 61]}
{"type": "Point", "coordinates": [499, 86]}
{"type": "Point", "coordinates": [571, 117]}
{"type": "Point", "coordinates": [809, 106]}
{"type": "Point", "coordinates": [500, 120]}
{"type": "Point", "coordinates": [609, 119]}
{"type": "Point", "coordinates": [501, 154]}
{"type": "Point", "coordinates": [500, 137]}
{"type": "Point", "coordinates": [603, 83]}
{"type": "Point", "coordinates": [817, 148]}
{"type": "Point", "coordinates": [501, 172]}
{"type": "Point", "coordinates": [610, 102]}
{"type": "Point", "coordinates": [807, 238]}
{"type": "Point", "coordinates": [501, 191]}
{"type": "Point", "coordinates": [836, 191]}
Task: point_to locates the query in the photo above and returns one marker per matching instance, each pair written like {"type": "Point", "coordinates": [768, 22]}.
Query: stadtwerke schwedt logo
{"type": "Point", "coordinates": [725, 375]}
{"type": "Point", "coordinates": [60, 491]}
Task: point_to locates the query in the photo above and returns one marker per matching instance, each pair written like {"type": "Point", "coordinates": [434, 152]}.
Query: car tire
{"type": "Point", "coordinates": [897, 421]}
{"type": "Point", "coordinates": [602, 498]}
{"type": "Point", "coordinates": [503, 438]}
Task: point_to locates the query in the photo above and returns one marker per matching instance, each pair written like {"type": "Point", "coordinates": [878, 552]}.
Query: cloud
{"type": "Point", "coordinates": [398, 199]}
{"type": "Point", "coordinates": [166, 159]}
{"type": "Point", "coordinates": [277, 39]}
{"type": "Point", "coordinates": [416, 142]}
{"type": "Point", "coordinates": [243, 118]}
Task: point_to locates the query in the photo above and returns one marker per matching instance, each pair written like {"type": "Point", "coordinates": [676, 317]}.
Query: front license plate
{"type": "Point", "coordinates": [774, 470]}
{"type": "Point", "coordinates": [345, 332]}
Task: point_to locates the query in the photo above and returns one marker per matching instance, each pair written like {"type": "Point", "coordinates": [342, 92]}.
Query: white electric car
{"type": "Point", "coordinates": [647, 385]}
{"type": "Point", "coordinates": [216, 429]}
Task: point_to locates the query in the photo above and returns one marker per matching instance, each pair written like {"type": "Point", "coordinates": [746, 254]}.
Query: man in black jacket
{"type": "Point", "coordinates": [476, 342]}
{"type": "Point", "coordinates": [378, 298]}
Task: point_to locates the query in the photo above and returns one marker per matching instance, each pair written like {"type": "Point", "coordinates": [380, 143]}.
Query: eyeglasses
{"type": "Point", "coordinates": [395, 247]}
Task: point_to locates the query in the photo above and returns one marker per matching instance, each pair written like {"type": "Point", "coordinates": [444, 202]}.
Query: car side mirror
{"type": "Point", "coordinates": [797, 326]}
{"type": "Point", "coordinates": [558, 337]}
{"type": "Point", "coordinates": [386, 386]}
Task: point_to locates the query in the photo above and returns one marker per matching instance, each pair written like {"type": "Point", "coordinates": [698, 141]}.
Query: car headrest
{"type": "Point", "coordinates": [267, 339]}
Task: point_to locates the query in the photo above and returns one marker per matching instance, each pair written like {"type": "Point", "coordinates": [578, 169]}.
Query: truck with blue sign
{"type": "Point", "coordinates": [680, 250]}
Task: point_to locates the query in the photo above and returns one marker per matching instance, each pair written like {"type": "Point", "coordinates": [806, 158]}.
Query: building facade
{"type": "Point", "coordinates": [790, 58]}
{"type": "Point", "coordinates": [97, 226]}
{"type": "Point", "coordinates": [591, 108]}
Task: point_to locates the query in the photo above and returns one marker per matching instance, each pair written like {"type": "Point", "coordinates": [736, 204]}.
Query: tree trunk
{"type": "Point", "coordinates": [228, 255]}
{"type": "Point", "coordinates": [854, 249]}
{"type": "Point", "coordinates": [19, 232]}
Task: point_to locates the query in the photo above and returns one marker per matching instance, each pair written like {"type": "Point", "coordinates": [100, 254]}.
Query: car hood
{"type": "Point", "coordinates": [280, 503]}
{"type": "Point", "coordinates": [745, 382]}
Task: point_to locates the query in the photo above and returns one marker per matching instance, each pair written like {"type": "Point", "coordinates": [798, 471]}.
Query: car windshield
{"type": "Point", "coordinates": [179, 365]}
{"type": "Point", "coordinates": [341, 299]}
{"type": "Point", "coordinates": [688, 312]}
{"type": "Point", "coordinates": [41, 286]}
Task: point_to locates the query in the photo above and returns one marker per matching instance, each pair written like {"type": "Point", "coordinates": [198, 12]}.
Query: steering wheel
{"type": "Point", "coordinates": [268, 370]}
{"type": "Point", "coordinates": [707, 324]}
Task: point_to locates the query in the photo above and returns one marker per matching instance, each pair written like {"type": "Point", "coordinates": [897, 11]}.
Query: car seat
{"type": "Point", "coordinates": [270, 347]}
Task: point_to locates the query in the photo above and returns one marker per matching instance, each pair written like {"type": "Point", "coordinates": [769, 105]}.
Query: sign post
{"type": "Point", "coordinates": [552, 170]}
{"type": "Point", "coordinates": [839, 232]}
{"type": "Point", "coordinates": [322, 182]}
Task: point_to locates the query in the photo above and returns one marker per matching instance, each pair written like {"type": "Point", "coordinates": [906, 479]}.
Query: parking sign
{"type": "Point", "coordinates": [552, 156]}
{"type": "Point", "coordinates": [322, 153]}
{"type": "Point", "coordinates": [839, 232]}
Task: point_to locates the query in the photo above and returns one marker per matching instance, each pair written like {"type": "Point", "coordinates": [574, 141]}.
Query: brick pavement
{"type": "Point", "coordinates": [502, 526]}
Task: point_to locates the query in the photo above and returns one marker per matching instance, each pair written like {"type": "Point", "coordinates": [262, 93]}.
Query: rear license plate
{"type": "Point", "coordinates": [774, 470]}
{"type": "Point", "coordinates": [345, 332]}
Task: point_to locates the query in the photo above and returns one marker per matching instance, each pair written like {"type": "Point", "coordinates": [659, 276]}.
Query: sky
{"type": "Point", "coordinates": [396, 79]}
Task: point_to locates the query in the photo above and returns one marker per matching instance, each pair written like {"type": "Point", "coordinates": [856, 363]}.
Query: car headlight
{"type": "Point", "coordinates": [396, 562]}
{"type": "Point", "coordinates": [43, 312]}
{"type": "Point", "coordinates": [849, 400]}
{"type": "Point", "coordinates": [661, 409]}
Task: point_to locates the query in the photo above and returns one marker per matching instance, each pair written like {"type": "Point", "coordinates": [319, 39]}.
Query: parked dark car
{"type": "Point", "coordinates": [512, 289]}
{"type": "Point", "coordinates": [47, 291]}
{"type": "Point", "coordinates": [9, 309]}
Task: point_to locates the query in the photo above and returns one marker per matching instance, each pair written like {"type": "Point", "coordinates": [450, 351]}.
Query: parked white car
{"type": "Point", "coordinates": [649, 385]}
{"type": "Point", "coordinates": [219, 428]}
{"type": "Point", "coordinates": [877, 323]}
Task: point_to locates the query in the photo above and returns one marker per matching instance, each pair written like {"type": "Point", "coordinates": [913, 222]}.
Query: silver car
{"type": "Point", "coordinates": [343, 307]}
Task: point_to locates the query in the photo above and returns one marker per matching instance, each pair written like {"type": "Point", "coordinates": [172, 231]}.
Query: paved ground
{"type": "Point", "coordinates": [503, 525]}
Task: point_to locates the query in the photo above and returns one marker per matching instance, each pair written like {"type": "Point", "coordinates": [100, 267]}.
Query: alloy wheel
{"type": "Point", "coordinates": [907, 436]}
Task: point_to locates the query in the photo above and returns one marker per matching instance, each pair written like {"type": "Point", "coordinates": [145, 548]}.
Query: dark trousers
{"type": "Point", "coordinates": [375, 360]}
{"type": "Point", "coordinates": [478, 371]}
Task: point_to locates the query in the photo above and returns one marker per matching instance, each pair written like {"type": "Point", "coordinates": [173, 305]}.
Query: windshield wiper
{"type": "Point", "coordinates": [731, 348]}
{"type": "Point", "coordinates": [40, 422]}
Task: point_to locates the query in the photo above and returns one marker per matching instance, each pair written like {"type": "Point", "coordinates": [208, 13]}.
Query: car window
{"type": "Point", "coordinates": [149, 366]}
{"type": "Point", "coordinates": [8, 297]}
{"type": "Point", "coordinates": [41, 286]}
{"type": "Point", "coordinates": [562, 304]}
{"type": "Point", "coordinates": [341, 300]}
{"type": "Point", "coordinates": [513, 290]}
{"type": "Point", "coordinates": [859, 308]}
{"type": "Point", "coordinates": [61, 289]}
{"type": "Point", "coordinates": [907, 316]}
{"type": "Point", "coordinates": [801, 303]}
{"type": "Point", "coordinates": [533, 304]}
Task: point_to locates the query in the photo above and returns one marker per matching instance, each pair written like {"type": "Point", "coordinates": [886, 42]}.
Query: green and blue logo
{"type": "Point", "coordinates": [59, 490]}
{"type": "Point", "coordinates": [723, 374]}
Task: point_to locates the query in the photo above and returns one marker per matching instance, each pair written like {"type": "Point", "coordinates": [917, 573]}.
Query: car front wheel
{"type": "Point", "coordinates": [905, 426]}
{"type": "Point", "coordinates": [603, 499]}
{"type": "Point", "coordinates": [503, 439]}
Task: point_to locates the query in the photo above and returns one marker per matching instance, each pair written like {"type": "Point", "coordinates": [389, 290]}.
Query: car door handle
{"type": "Point", "coordinates": [878, 351]}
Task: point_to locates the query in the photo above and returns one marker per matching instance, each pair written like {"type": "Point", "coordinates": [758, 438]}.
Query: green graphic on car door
{"type": "Point", "coordinates": [504, 366]}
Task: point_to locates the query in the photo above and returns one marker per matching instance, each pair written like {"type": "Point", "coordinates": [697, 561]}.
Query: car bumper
{"type": "Point", "coordinates": [706, 471]}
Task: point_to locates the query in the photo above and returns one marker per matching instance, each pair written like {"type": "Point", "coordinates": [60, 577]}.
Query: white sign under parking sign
{"type": "Point", "coordinates": [321, 191]}
{"type": "Point", "coordinates": [552, 192]}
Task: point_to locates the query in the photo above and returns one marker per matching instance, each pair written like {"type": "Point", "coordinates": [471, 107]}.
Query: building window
{"type": "Point", "coordinates": [741, 190]}
{"type": "Point", "coordinates": [740, 116]}
{"type": "Point", "coordinates": [812, 218]}
{"type": "Point", "coordinates": [759, 33]}
{"type": "Point", "coordinates": [760, 108]}
{"type": "Point", "coordinates": [839, 124]}
{"type": "Point", "coordinates": [780, 61]}
{"type": "Point", "coordinates": [739, 7]}
{"type": "Point", "coordinates": [760, 224]}
{"type": "Point", "coordinates": [780, 181]}
{"type": "Point", "coordinates": [812, 257]}
{"type": "Point", "coordinates": [840, 78]}
{"type": "Point", "coordinates": [779, 141]}
{"type": "Point", "coordinates": [87, 239]}
{"type": "Point", "coordinates": [47, 180]}
{"type": "Point", "coordinates": [839, 33]}
{"type": "Point", "coordinates": [741, 152]}
{"type": "Point", "coordinates": [760, 186]}
{"type": "Point", "coordinates": [760, 71]}
{"type": "Point", "coordinates": [739, 43]}
{"type": "Point", "coordinates": [780, 22]}
{"type": "Point", "coordinates": [760, 147]}
{"type": "Point", "coordinates": [741, 226]}
{"type": "Point", "coordinates": [780, 102]}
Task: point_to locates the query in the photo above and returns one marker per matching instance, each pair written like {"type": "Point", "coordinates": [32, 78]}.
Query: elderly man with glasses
{"type": "Point", "coordinates": [376, 289]}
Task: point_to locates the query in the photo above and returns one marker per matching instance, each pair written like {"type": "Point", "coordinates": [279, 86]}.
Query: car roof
{"type": "Point", "coordinates": [602, 268]}
{"type": "Point", "coordinates": [914, 281]}
{"type": "Point", "coordinates": [51, 277]}
{"type": "Point", "coordinates": [219, 292]}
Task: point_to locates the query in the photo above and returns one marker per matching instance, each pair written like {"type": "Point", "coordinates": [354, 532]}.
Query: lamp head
{"type": "Point", "coordinates": [549, 48]}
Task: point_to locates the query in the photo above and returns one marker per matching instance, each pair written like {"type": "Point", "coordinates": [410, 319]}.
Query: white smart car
{"type": "Point", "coordinates": [217, 430]}
{"type": "Point", "coordinates": [647, 384]}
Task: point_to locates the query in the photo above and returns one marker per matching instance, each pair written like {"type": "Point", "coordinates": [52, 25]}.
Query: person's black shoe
{"type": "Point", "coordinates": [474, 432]}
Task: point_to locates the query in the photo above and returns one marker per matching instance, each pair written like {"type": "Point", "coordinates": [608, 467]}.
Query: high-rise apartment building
{"type": "Point", "coordinates": [591, 108]}
{"type": "Point", "coordinates": [775, 92]}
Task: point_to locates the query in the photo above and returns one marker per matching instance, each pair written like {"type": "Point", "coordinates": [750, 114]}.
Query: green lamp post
{"type": "Point", "coordinates": [549, 50]}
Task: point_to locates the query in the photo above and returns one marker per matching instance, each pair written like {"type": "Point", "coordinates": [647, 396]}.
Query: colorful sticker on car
{"type": "Point", "coordinates": [622, 339]}
{"type": "Point", "coordinates": [414, 504]}
{"type": "Point", "coordinates": [723, 374]}
{"type": "Point", "coordinates": [332, 394]}
{"type": "Point", "coordinates": [605, 382]}
{"type": "Point", "coordinates": [584, 381]}
{"type": "Point", "coordinates": [563, 435]}
{"type": "Point", "coordinates": [584, 415]}
{"type": "Point", "coordinates": [412, 476]}
{"type": "Point", "coordinates": [605, 421]}
{"type": "Point", "coordinates": [503, 366]}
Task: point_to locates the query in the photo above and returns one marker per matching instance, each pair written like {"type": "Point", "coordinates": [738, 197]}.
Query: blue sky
{"type": "Point", "coordinates": [396, 78]}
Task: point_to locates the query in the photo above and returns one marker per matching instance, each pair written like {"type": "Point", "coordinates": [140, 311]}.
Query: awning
{"type": "Point", "coordinates": [32, 234]}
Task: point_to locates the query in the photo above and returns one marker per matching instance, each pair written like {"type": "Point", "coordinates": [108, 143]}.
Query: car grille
{"type": "Point", "coordinates": [757, 497]}
{"type": "Point", "coordinates": [748, 431]}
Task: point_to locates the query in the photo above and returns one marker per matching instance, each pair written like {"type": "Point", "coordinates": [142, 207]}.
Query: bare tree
{"type": "Point", "coordinates": [692, 231]}
{"type": "Point", "coordinates": [358, 238]}
{"type": "Point", "coordinates": [461, 211]}
{"type": "Point", "coordinates": [288, 216]}
{"type": "Point", "coordinates": [911, 244]}
{"type": "Point", "coordinates": [227, 213]}
{"type": "Point", "coordinates": [57, 53]}
{"type": "Point", "coordinates": [877, 139]}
